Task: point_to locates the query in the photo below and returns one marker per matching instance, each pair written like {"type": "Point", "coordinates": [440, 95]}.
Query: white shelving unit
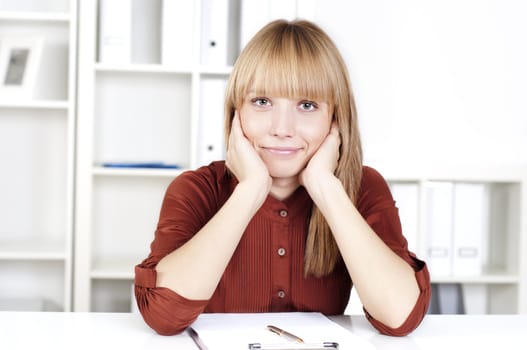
{"type": "Point", "coordinates": [502, 284]}
{"type": "Point", "coordinates": [138, 111]}
{"type": "Point", "coordinates": [37, 138]}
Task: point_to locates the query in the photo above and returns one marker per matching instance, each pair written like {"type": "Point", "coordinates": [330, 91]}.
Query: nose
{"type": "Point", "coordinates": [283, 122]}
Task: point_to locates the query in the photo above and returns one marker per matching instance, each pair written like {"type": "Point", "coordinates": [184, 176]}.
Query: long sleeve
{"type": "Point", "coordinates": [162, 309]}
{"type": "Point", "coordinates": [189, 202]}
{"type": "Point", "coordinates": [378, 208]}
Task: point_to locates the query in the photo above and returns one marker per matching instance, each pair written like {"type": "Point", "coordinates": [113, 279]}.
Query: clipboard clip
{"type": "Point", "coordinates": [294, 346]}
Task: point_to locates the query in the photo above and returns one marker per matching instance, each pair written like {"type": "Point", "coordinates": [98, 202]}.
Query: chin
{"type": "Point", "coordinates": [285, 171]}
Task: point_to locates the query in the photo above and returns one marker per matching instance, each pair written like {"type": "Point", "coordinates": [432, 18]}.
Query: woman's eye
{"type": "Point", "coordinates": [260, 101]}
{"type": "Point", "coordinates": [308, 106]}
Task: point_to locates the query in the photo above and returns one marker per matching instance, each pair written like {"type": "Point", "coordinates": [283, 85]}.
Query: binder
{"type": "Point", "coordinates": [211, 140]}
{"type": "Point", "coordinates": [115, 31]}
{"type": "Point", "coordinates": [177, 24]}
{"type": "Point", "coordinates": [471, 217]}
{"type": "Point", "coordinates": [214, 32]}
{"type": "Point", "coordinates": [439, 200]}
{"type": "Point", "coordinates": [450, 299]}
{"type": "Point", "coordinates": [146, 32]}
{"type": "Point", "coordinates": [475, 299]}
{"type": "Point", "coordinates": [406, 196]}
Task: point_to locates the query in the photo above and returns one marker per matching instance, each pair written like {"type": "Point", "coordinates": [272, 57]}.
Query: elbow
{"type": "Point", "coordinates": [163, 312]}
{"type": "Point", "coordinates": [162, 321]}
{"type": "Point", "coordinates": [399, 326]}
{"type": "Point", "coordinates": [164, 327]}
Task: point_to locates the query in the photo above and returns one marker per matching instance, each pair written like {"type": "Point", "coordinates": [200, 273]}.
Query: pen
{"type": "Point", "coordinates": [295, 346]}
{"type": "Point", "coordinates": [197, 340]}
{"type": "Point", "coordinates": [284, 334]}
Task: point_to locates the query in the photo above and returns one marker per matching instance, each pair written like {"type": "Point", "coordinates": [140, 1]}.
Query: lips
{"type": "Point", "coordinates": [282, 151]}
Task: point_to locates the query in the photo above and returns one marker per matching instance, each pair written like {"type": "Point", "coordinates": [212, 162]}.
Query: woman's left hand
{"type": "Point", "coordinates": [324, 161]}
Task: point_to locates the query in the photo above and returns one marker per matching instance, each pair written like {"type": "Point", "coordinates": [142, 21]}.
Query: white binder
{"type": "Point", "coordinates": [211, 140]}
{"type": "Point", "coordinates": [214, 32]}
{"type": "Point", "coordinates": [470, 228]}
{"type": "Point", "coordinates": [115, 31]}
{"type": "Point", "coordinates": [177, 33]}
{"type": "Point", "coordinates": [439, 201]}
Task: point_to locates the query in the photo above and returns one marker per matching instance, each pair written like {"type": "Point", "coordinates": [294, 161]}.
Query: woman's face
{"type": "Point", "coordinates": [285, 132]}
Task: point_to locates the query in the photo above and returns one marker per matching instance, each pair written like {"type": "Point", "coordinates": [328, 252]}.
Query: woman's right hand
{"type": "Point", "coordinates": [243, 160]}
{"type": "Point", "coordinates": [210, 249]}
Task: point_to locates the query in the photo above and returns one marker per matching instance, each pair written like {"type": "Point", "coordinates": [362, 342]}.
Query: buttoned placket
{"type": "Point", "coordinates": [281, 261]}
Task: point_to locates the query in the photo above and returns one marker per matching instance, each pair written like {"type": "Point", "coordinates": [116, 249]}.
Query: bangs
{"type": "Point", "coordinates": [292, 65]}
{"type": "Point", "coordinates": [289, 79]}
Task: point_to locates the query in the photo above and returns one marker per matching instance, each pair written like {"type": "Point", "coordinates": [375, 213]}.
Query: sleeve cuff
{"type": "Point", "coordinates": [145, 277]}
{"type": "Point", "coordinates": [418, 312]}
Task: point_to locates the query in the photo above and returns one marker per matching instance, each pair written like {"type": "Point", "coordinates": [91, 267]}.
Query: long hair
{"type": "Point", "coordinates": [298, 59]}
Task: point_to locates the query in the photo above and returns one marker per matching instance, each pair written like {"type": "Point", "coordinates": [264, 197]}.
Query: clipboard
{"type": "Point", "coordinates": [294, 346]}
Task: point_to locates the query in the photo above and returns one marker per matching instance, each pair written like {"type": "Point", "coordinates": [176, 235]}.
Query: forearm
{"type": "Point", "coordinates": [385, 283]}
{"type": "Point", "coordinates": [194, 269]}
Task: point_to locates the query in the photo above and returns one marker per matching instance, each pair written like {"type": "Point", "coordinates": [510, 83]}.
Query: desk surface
{"type": "Point", "coordinates": [127, 331]}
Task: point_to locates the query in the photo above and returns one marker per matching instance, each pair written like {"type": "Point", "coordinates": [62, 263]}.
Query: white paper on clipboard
{"type": "Point", "coordinates": [231, 331]}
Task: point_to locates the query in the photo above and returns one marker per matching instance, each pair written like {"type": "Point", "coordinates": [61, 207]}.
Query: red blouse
{"type": "Point", "coordinates": [265, 273]}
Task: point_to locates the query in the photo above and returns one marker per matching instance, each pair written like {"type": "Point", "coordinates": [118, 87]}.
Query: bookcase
{"type": "Point", "coordinates": [498, 285]}
{"type": "Point", "coordinates": [37, 143]}
{"type": "Point", "coordinates": [496, 236]}
{"type": "Point", "coordinates": [146, 104]}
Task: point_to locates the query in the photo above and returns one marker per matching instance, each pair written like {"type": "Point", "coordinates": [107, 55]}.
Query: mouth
{"type": "Point", "coordinates": [282, 151]}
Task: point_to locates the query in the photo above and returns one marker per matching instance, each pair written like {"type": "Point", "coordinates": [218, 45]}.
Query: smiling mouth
{"type": "Point", "coordinates": [285, 151]}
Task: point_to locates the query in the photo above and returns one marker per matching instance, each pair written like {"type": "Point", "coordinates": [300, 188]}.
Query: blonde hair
{"type": "Point", "coordinates": [298, 59]}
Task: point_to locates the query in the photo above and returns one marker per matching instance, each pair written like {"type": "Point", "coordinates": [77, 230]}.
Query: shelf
{"type": "Point", "coordinates": [144, 172]}
{"type": "Point", "coordinates": [141, 68]}
{"type": "Point", "coordinates": [34, 16]}
{"type": "Point", "coordinates": [120, 269]}
{"type": "Point", "coordinates": [36, 104]}
{"type": "Point", "coordinates": [36, 251]}
{"type": "Point", "coordinates": [162, 69]}
{"type": "Point", "coordinates": [482, 279]}
{"type": "Point", "coordinates": [215, 71]}
{"type": "Point", "coordinates": [461, 173]}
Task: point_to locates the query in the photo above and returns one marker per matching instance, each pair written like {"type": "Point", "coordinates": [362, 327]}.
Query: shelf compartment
{"type": "Point", "coordinates": [33, 178]}
{"type": "Point", "coordinates": [116, 200]}
{"type": "Point", "coordinates": [41, 282]}
{"type": "Point", "coordinates": [153, 129]}
{"type": "Point", "coordinates": [111, 296]}
{"type": "Point", "coordinates": [51, 80]}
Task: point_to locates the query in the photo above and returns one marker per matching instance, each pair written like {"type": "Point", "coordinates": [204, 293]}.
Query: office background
{"type": "Point", "coordinates": [439, 87]}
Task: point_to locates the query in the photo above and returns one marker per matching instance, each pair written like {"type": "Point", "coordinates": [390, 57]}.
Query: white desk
{"type": "Point", "coordinates": [127, 331]}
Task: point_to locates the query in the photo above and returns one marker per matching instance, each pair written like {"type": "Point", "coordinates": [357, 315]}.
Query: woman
{"type": "Point", "coordinates": [291, 220]}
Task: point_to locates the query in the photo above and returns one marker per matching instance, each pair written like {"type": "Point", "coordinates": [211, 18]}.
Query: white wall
{"type": "Point", "coordinates": [436, 81]}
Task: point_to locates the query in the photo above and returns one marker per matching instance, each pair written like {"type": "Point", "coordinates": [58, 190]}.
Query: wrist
{"type": "Point", "coordinates": [323, 187]}
{"type": "Point", "coordinates": [253, 193]}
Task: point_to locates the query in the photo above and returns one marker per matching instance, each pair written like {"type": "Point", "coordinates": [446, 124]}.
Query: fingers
{"type": "Point", "coordinates": [236, 125]}
{"type": "Point", "coordinates": [334, 131]}
{"type": "Point", "coordinates": [242, 159]}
